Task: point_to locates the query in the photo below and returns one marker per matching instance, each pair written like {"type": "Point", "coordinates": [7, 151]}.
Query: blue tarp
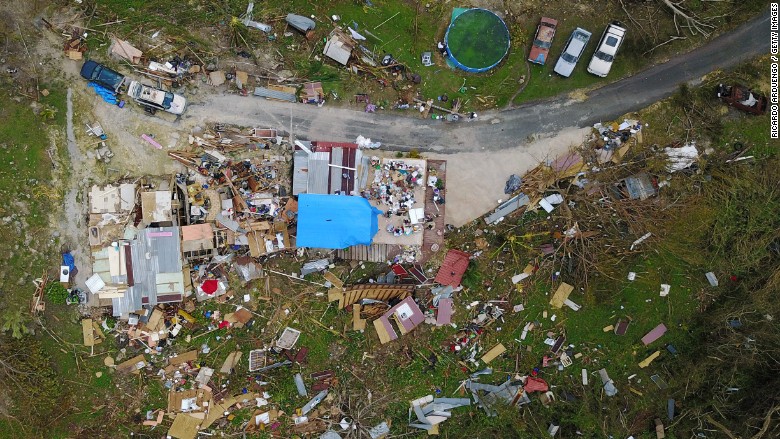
{"type": "Point", "coordinates": [107, 95]}
{"type": "Point", "coordinates": [67, 259]}
{"type": "Point", "coordinates": [335, 221]}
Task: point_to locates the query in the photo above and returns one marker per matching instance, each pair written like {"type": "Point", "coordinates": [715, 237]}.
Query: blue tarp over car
{"type": "Point", "coordinates": [335, 221]}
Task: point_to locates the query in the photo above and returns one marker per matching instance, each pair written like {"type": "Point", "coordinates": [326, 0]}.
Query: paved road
{"type": "Point", "coordinates": [498, 130]}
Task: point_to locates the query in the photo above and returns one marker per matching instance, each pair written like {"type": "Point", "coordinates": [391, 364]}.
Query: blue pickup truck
{"type": "Point", "coordinates": [100, 74]}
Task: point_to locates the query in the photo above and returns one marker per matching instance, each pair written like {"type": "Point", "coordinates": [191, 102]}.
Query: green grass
{"type": "Point", "coordinates": [544, 83]}
{"type": "Point", "coordinates": [403, 29]}
{"type": "Point", "coordinates": [25, 186]}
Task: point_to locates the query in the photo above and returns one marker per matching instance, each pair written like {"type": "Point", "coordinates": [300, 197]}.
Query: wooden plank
{"type": "Point", "coordinates": [332, 278]}
{"type": "Point", "coordinates": [230, 362]}
{"type": "Point", "coordinates": [646, 362]}
{"type": "Point", "coordinates": [154, 319]}
{"type": "Point", "coordinates": [86, 329]}
{"type": "Point", "coordinates": [358, 324]}
{"type": "Point", "coordinates": [335, 294]}
{"type": "Point", "coordinates": [384, 337]}
{"type": "Point", "coordinates": [184, 358]}
{"type": "Point", "coordinates": [561, 294]}
{"type": "Point", "coordinates": [98, 332]}
{"type": "Point", "coordinates": [131, 365]}
{"type": "Point", "coordinates": [494, 352]}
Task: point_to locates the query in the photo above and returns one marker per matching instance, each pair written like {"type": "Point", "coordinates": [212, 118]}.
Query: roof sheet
{"type": "Point", "coordinates": [654, 335]}
{"type": "Point", "coordinates": [335, 221]}
{"type": "Point", "coordinates": [337, 50]}
{"type": "Point", "coordinates": [508, 207]}
{"type": "Point", "coordinates": [319, 173]}
{"type": "Point", "coordinates": [313, 173]}
{"type": "Point", "coordinates": [156, 206]}
{"type": "Point", "coordinates": [275, 94]}
{"type": "Point", "coordinates": [197, 232]}
{"type": "Point", "coordinates": [455, 264]}
{"type": "Point", "coordinates": [640, 186]}
{"type": "Point", "coordinates": [300, 172]}
{"type": "Point", "coordinates": [155, 251]}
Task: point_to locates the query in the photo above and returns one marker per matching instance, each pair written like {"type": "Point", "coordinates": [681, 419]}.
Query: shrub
{"type": "Point", "coordinates": [56, 293]}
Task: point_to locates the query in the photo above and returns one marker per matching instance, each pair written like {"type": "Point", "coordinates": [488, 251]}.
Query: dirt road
{"type": "Point", "coordinates": [500, 130]}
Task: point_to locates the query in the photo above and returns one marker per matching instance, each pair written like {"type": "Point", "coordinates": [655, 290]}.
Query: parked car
{"type": "Point", "coordinates": [155, 99]}
{"type": "Point", "coordinates": [542, 41]}
{"type": "Point", "coordinates": [572, 52]}
{"type": "Point", "coordinates": [608, 46]}
{"type": "Point", "coordinates": [743, 98]}
{"type": "Point", "coordinates": [100, 74]}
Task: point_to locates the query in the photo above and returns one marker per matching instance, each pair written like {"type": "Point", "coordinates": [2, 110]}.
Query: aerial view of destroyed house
{"type": "Point", "coordinates": [389, 219]}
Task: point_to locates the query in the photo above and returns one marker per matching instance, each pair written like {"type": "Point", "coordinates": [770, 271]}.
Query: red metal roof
{"type": "Point", "coordinates": [455, 264]}
{"type": "Point", "coordinates": [328, 146]}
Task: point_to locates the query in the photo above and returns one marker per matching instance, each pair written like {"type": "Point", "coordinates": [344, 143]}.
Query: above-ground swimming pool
{"type": "Point", "coordinates": [477, 40]}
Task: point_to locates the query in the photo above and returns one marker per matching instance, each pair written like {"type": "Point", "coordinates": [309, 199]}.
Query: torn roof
{"type": "Point", "coordinates": [156, 206]}
{"type": "Point", "coordinates": [112, 199]}
{"type": "Point", "coordinates": [339, 47]}
{"type": "Point", "coordinates": [407, 315]}
{"type": "Point", "coordinates": [197, 237]}
{"type": "Point", "coordinates": [452, 269]}
{"type": "Point", "coordinates": [332, 167]}
{"type": "Point", "coordinates": [157, 270]}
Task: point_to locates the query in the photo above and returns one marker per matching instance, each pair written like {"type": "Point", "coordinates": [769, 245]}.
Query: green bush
{"type": "Point", "coordinates": [56, 293]}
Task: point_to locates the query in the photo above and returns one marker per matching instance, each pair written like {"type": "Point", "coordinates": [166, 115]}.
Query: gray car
{"type": "Point", "coordinates": [572, 52]}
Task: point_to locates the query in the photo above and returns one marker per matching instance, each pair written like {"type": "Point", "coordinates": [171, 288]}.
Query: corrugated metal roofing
{"type": "Point", "coordinates": [156, 251]}
{"type": "Point", "coordinates": [361, 176]}
{"type": "Point", "coordinates": [326, 146]}
{"type": "Point", "coordinates": [300, 172]}
{"type": "Point", "coordinates": [336, 158]}
{"type": "Point", "coordinates": [508, 207]}
{"type": "Point", "coordinates": [273, 94]}
{"type": "Point", "coordinates": [640, 186]}
{"type": "Point", "coordinates": [319, 173]}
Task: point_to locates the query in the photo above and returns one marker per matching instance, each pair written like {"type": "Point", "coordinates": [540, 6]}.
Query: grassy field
{"type": "Point", "coordinates": [25, 186]}
{"type": "Point", "coordinates": [29, 139]}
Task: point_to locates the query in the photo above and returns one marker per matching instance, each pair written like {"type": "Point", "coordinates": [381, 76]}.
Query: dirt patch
{"type": "Point", "coordinates": [481, 175]}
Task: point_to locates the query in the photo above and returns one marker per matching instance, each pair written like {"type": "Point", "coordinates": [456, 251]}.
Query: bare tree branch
{"type": "Point", "coordinates": [693, 22]}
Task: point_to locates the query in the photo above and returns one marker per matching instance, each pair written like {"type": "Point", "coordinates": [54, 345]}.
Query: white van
{"type": "Point", "coordinates": [608, 46]}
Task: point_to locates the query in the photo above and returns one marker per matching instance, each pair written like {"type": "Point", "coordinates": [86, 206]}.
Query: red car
{"type": "Point", "coordinates": [543, 40]}
{"type": "Point", "coordinates": [741, 97]}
